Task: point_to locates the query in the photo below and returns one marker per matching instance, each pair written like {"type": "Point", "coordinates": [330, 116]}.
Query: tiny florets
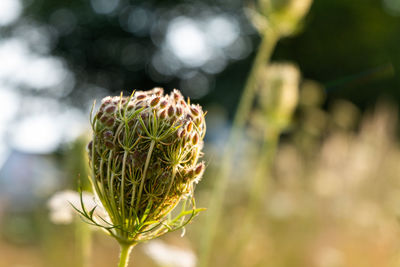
{"type": "Point", "coordinates": [144, 157]}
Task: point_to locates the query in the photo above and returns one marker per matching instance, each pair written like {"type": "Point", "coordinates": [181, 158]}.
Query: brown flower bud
{"type": "Point", "coordinates": [110, 122]}
{"type": "Point", "coordinates": [154, 101]}
{"type": "Point", "coordinates": [176, 95]}
{"type": "Point", "coordinates": [163, 104]}
{"type": "Point", "coordinates": [171, 111]}
{"type": "Point", "coordinates": [194, 110]}
{"type": "Point", "coordinates": [104, 118]}
{"type": "Point", "coordinates": [189, 127]}
{"type": "Point", "coordinates": [109, 144]}
{"type": "Point", "coordinates": [99, 114]}
{"type": "Point", "coordinates": [195, 138]}
{"type": "Point", "coordinates": [163, 114]}
{"type": "Point", "coordinates": [108, 134]}
{"type": "Point", "coordinates": [130, 106]}
{"type": "Point", "coordinates": [179, 111]}
{"type": "Point", "coordinates": [110, 108]}
{"type": "Point", "coordinates": [199, 168]}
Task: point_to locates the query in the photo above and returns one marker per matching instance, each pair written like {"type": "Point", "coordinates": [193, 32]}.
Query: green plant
{"type": "Point", "coordinates": [144, 158]}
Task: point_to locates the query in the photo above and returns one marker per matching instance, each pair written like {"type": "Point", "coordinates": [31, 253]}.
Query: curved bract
{"type": "Point", "coordinates": [144, 157]}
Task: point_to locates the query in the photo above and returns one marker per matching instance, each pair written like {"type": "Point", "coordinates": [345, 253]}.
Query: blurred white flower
{"type": "Point", "coordinates": [62, 211]}
{"type": "Point", "coordinates": [167, 255]}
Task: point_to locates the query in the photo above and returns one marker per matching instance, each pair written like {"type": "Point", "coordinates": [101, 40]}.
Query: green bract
{"type": "Point", "coordinates": [144, 157]}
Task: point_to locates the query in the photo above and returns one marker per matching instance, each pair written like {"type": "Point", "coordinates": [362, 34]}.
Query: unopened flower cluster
{"type": "Point", "coordinates": [144, 157]}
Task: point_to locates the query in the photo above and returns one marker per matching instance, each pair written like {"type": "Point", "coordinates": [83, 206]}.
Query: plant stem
{"type": "Point", "coordinates": [124, 255]}
{"type": "Point", "coordinates": [84, 239]}
{"type": "Point", "coordinates": [257, 190]}
{"type": "Point", "coordinates": [268, 42]}
{"type": "Point", "coordinates": [149, 153]}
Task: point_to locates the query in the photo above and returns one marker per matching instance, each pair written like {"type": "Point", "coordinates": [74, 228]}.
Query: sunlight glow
{"type": "Point", "coordinates": [10, 10]}
{"type": "Point", "coordinates": [188, 41]}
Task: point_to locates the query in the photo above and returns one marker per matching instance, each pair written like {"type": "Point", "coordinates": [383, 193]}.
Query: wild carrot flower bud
{"type": "Point", "coordinates": [163, 114]}
{"type": "Point", "coordinates": [110, 122]}
{"type": "Point", "coordinates": [195, 139]}
{"type": "Point", "coordinates": [189, 127]}
{"type": "Point", "coordinates": [179, 111]}
{"type": "Point", "coordinates": [141, 154]}
{"type": "Point", "coordinates": [195, 110]}
{"type": "Point", "coordinates": [163, 104]}
{"type": "Point", "coordinates": [171, 111]}
{"type": "Point", "coordinates": [108, 134]}
{"type": "Point", "coordinates": [140, 97]}
{"type": "Point", "coordinates": [110, 109]}
{"type": "Point", "coordinates": [154, 101]}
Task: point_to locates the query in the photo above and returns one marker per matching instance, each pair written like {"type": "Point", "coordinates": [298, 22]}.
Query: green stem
{"type": "Point", "coordinates": [124, 255]}
{"type": "Point", "coordinates": [144, 174]}
{"type": "Point", "coordinates": [267, 45]}
{"type": "Point", "coordinates": [84, 239]}
{"type": "Point", "coordinates": [257, 190]}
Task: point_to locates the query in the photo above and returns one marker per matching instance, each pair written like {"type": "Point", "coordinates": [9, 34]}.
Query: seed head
{"type": "Point", "coordinates": [144, 158]}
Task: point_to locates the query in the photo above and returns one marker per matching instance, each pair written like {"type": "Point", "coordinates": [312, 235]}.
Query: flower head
{"type": "Point", "coordinates": [145, 159]}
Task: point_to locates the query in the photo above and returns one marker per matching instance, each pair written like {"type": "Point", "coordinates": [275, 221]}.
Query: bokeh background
{"type": "Point", "coordinates": [333, 194]}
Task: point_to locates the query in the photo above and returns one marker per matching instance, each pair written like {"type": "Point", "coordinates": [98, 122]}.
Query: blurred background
{"type": "Point", "coordinates": [330, 186]}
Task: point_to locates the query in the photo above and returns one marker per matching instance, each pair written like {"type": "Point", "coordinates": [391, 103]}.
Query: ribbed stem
{"type": "Point", "coordinates": [267, 45]}
{"type": "Point", "coordinates": [124, 255]}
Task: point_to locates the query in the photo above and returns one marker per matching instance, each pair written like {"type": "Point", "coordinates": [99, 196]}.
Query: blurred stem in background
{"type": "Point", "coordinates": [83, 237]}
{"type": "Point", "coordinates": [76, 165]}
{"type": "Point", "coordinates": [278, 87]}
{"type": "Point", "coordinates": [273, 19]}
{"type": "Point", "coordinates": [269, 40]}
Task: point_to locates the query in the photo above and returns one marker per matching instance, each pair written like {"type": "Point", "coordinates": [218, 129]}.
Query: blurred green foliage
{"type": "Point", "coordinates": [349, 46]}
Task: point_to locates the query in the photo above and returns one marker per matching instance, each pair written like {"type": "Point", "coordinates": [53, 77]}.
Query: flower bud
{"type": "Point", "coordinates": [189, 127]}
{"type": "Point", "coordinates": [163, 104]}
{"type": "Point", "coordinates": [141, 97]}
{"type": "Point", "coordinates": [139, 159]}
{"type": "Point", "coordinates": [195, 139]}
{"type": "Point", "coordinates": [199, 168]}
{"type": "Point", "coordinates": [171, 111]}
{"type": "Point", "coordinates": [179, 111]}
{"type": "Point", "coordinates": [109, 144]}
{"type": "Point", "coordinates": [163, 114]}
{"type": "Point", "coordinates": [176, 95]}
{"type": "Point", "coordinates": [110, 108]}
{"type": "Point", "coordinates": [104, 118]}
{"type": "Point", "coordinates": [108, 135]}
{"type": "Point", "coordinates": [154, 101]}
{"type": "Point", "coordinates": [110, 122]}
{"type": "Point", "coordinates": [130, 106]}
{"type": "Point", "coordinates": [195, 111]}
